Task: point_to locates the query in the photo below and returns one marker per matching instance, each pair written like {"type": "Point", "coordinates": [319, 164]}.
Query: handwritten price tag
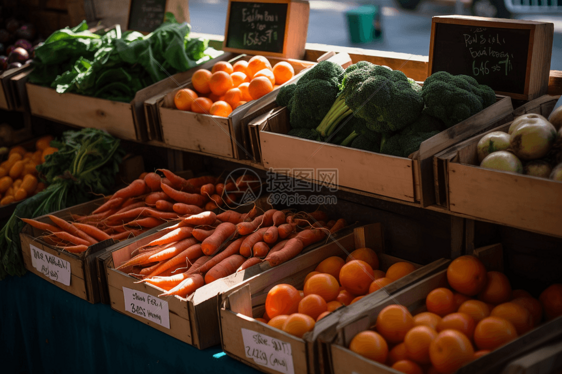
{"type": "Point", "coordinates": [267, 351]}
{"type": "Point", "coordinates": [51, 266]}
{"type": "Point", "coordinates": [147, 306]}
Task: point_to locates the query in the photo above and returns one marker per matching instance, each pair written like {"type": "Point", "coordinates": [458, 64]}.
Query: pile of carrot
{"type": "Point", "coordinates": [205, 247]}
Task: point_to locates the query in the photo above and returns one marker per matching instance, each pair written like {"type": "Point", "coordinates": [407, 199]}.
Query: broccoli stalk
{"type": "Point", "coordinates": [347, 141]}
{"type": "Point", "coordinates": [335, 115]}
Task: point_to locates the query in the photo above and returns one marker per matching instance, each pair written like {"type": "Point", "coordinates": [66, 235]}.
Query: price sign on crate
{"type": "Point", "coordinates": [268, 27]}
{"type": "Point", "coordinates": [146, 15]}
{"type": "Point", "coordinates": [511, 56]}
{"type": "Point", "coordinates": [51, 266]}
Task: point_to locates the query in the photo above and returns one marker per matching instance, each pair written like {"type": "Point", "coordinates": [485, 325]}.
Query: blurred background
{"type": "Point", "coordinates": [405, 25]}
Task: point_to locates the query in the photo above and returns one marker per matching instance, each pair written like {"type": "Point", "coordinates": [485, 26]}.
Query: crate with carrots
{"type": "Point", "coordinates": [299, 303]}
{"type": "Point", "coordinates": [464, 319]}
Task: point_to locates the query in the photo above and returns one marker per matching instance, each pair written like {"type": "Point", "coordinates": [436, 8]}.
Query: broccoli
{"type": "Point", "coordinates": [390, 144]}
{"type": "Point", "coordinates": [454, 98]}
{"type": "Point", "coordinates": [366, 144]}
{"type": "Point", "coordinates": [408, 140]}
{"type": "Point", "coordinates": [344, 130]}
{"type": "Point", "coordinates": [285, 94]}
{"type": "Point", "coordinates": [309, 134]}
{"type": "Point", "coordinates": [324, 70]}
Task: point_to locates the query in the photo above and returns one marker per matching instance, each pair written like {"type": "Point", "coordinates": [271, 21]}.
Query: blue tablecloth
{"type": "Point", "coordinates": [44, 329]}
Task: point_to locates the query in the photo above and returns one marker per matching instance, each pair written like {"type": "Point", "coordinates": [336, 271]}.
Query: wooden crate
{"type": "Point", "coordinates": [8, 101]}
{"type": "Point", "coordinates": [547, 359]}
{"type": "Point", "coordinates": [408, 179]}
{"type": "Point", "coordinates": [78, 269]}
{"type": "Point", "coordinates": [239, 306]}
{"type": "Point", "coordinates": [516, 200]}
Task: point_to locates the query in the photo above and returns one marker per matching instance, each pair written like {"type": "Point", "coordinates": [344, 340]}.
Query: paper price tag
{"type": "Point", "coordinates": [147, 306]}
{"type": "Point", "coordinates": [267, 351]}
{"type": "Point", "coordinates": [50, 266]}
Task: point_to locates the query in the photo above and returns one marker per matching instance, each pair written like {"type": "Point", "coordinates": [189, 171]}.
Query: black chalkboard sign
{"type": "Point", "coordinates": [257, 26]}
{"type": "Point", "coordinates": [146, 15]}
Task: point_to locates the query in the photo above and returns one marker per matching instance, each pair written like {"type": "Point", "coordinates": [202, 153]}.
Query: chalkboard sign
{"type": "Point", "coordinates": [146, 15]}
{"type": "Point", "coordinates": [503, 54]}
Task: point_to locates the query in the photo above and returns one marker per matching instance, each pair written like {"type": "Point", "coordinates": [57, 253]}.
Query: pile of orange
{"type": "Point", "coordinates": [334, 283]}
{"type": "Point", "coordinates": [478, 314]}
{"type": "Point", "coordinates": [18, 176]}
{"type": "Point", "coordinates": [226, 86]}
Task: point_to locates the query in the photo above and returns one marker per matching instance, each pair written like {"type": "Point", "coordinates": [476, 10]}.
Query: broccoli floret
{"type": "Point", "coordinates": [390, 144]}
{"type": "Point", "coordinates": [324, 70]}
{"type": "Point", "coordinates": [366, 144]}
{"type": "Point", "coordinates": [350, 68]}
{"type": "Point", "coordinates": [408, 140]}
{"type": "Point", "coordinates": [285, 94]}
{"type": "Point", "coordinates": [309, 134]}
{"type": "Point", "coordinates": [454, 98]}
{"type": "Point", "coordinates": [311, 102]}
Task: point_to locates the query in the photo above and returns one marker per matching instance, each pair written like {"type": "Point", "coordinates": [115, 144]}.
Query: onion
{"type": "Point", "coordinates": [523, 119]}
{"type": "Point", "coordinates": [538, 168]}
{"type": "Point", "coordinates": [502, 160]}
{"type": "Point", "coordinates": [492, 142]}
{"type": "Point", "coordinates": [557, 173]}
{"type": "Point", "coordinates": [533, 139]}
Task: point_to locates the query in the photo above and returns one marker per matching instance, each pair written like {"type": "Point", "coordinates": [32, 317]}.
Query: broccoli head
{"type": "Point", "coordinates": [366, 144]}
{"type": "Point", "coordinates": [454, 98]}
{"type": "Point", "coordinates": [311, 102]}
{"type": "Point", "coordinates": [285, 94]}
{"type": "Point", "coordinates": [408, 140]}
{"type": "Point", "coordinates": [309, 134]}
{"type": "Point", "coordinates": [324, 70]}
{"type": "Point", "coordinates": [390, 144]}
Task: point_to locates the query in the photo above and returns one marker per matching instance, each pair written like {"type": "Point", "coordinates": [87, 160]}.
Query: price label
{"type": "Point", "coordinates": [147, 306]}
{"type": "Point", "coordinates": [267, 351]}
{"type": "Point", "coordinates": [50, 266]}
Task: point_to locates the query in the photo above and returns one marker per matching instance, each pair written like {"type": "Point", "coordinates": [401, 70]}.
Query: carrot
{"type": "Point", "coordinates": [172, 251]}
{"type": "Point", "coordinates": [208, 189]}
{"type": "Point", "coordinates": [290, 219]}
{"type": "Point", "coordinates": [249, 263]}
{"type": "Point", "coordinates": [211, 205]}
{"type": "Point", "coordinates": [318, 216]}
{"type": "Point", "coordinates": [153, 181]}
{"type": "Point", "coordinates": [177, 269]}
{"type": "Point", "coordinates": [183, 197]}
{"type": "Point", "coordinates": [164, 206]}
{"type": "Point", "coordinates": [285, 230]}
{"type": "Point", "coordinates": [109, 204]}
{"type": "Point", "coordinates": [96, 217]}
{"type": "Point", "coordinates": [250, 241]}
{"type": "Point", "coordinates": [198, 263]}
{"type": "Point", "coordinates": [230, 216]}
{"type": "Point", "coordinates": [246, 228]}
{"type": "Point", "coordinates": [278, 218]}
{"type": "Point", "coordinates": [224, 232]}
{"type": "Point", "coordinates": [260, 249]}
{"type": "Point", "coordinates": [93, 231]}
{"type": "Point", "coordinates": [152, 198]}
{"type": "Point", "coordinates": [188, 254]}
{"type": "Point", "coordinates": [72, 229]}
{"type": "Point", "coordinates": [232, 249]}
{"type": "Point", "coordinates": [127, 234]}
{"type": "Point", "coordinates": [224, 268]}
{"type": "Point", "coordinates": [136, 188]}
{"type": "Point", "coordinates": [330, 224]}
{"type": "Point", "coordinates": [217, 200]}
{"type": "Point", "coordinates": [149, 269]}
{"type": "Point", "coordinates": [295, 246]}
{"type": "Point", "coordinates": [268, 217]}
{"type": "Point", "coordinates": [148, 222]}
{"type": "Point", "coordinates": [201, 234]}
{"type": "Point", "coordinates": [340, 224]}
{"type": "Point", "coordinates": [319, 224]}
{"type": "Point", "coordinates": [271, 235]}
{"type": "Point", "coordinates": [309, 237]}
{"type": "Point", "coordinates": [71, 238]}
{"type": "Point", "coordinates": [41, 225]}
{"type": "Point", "coordinates": [201, 181]}
{"type": "Point", "coordinates": [138, 212]}
{"type": "Point", "coordinates": [136, 205]}
{"type": "Point", "coordinates": [172, 236]}
{"type": "Point", "coordinates": [182, 209]}
{"type": "Point", "coordinates": [277, 247]}
{"type": "Point", "coordinates": [186, 287]}
{"type": "Point", "coordinates": [205, 218]}
{"type": "Point", "coordinates": [166, 283]}
{"type": "Point", "coordinates": [219, 188]}
{"type": "Point", "coordinates": [129, 201]}
{"type": "Point", "coordinates": [178, 182]}
{"type": "Point", "coordinates": [138, 260]}
{"type": "Point", "coordinates": [75, 248]}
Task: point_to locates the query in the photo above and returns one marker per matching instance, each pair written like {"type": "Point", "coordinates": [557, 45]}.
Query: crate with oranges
{"type": "Point", "coordinates": [202, 114]}
{"type": "Point", "coordinates": [300, 300]}
{"type": "Point", "coordinates": [465, 319]}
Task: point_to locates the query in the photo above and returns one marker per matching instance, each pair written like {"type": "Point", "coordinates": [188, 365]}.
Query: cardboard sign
{"type": "Point", "coordinates": [511, 56]}
{"type": "Point", "coordinates": [51, 266]}
{"type": "Point", "coordinates": [267, 351]}
{"type": "Point", "coordinates": [147, 306]}
{"type": "Point", "coordinates": [146, 15]}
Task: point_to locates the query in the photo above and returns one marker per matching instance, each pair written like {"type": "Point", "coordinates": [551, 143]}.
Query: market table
{"type": "Point", "coordinates": [47, 330]}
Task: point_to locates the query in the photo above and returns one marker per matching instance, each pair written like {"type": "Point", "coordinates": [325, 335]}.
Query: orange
{"type": "Point", "coordinates": [48, 151]}
{"type": "Point", "coordinates": [220, 83]}
{"type": "Point", "coordinates": [259, 86]}
{"type": "Point", "coordinates": [518, 315]}
{"type": "Point", "coordinates": [200, 81]}
{"type": "Point", "coordinates": [481, 353]}
{"type": "Point", "coordinates": [427, 319]}
{"type": "Point", "coordinates": [461, 322]}
{"type": "Point", "coordinates": [493, 332]}
{"type": "Point", "coordinates": [459, 299]}
{"type": "Point", "coordinates": [245, 91]}
{"type": "Point", "coordinates": [265, 316]}
{"type": "Point", "coordinates": [378, 274]}
{"type": "Point", "coordinates": [238, 78]}
{"type": "Point", "coordinates": [441, 302]}
{"type": "Point", "coordinates": [240, 103]}
{"type": "Point", "coordinates": [477, 309]}
{"type": "Point", "coordinates": [278, 321]}
{"type": "Point", "coordinates": [364, 254]}
{"type": "Point", "coordinates": [345, 297]}
{"type": "Point", "coordinates": [515, 294]}
{"type": "Point", "coordinates": [399, 270]}
{"type": "Point", "coordinates": [310, 275]}
{"type": "Point", "coordinates": [551, 300]}
{"type": "Point", "coordinates": [241, 66]}
{"type": "Point", "coordinates": [398, 353]}
{"type": "Point", "coordinates": [371, 345]}
{"type": "Point", "coordinates": [283, 72]}
{"type": "Point", "coordinates": [393, 322]}
{"type": "Point", "coordinates": [201, 105]}
{"type": "Point", "coordinates": [298, 324]}
{"type": "Point", "coordinates": [282, 299]}
{"type": "Point", "coordinates": [356, 276]}
{"type": "Point", "coordinates": [417, 342]}
{"type": "Point", "coordinates": [313, 306]}
{"type": "Point", "coordinates": [378, 284]}
{"type": "Point", "coordinates": [44, 142]}
{"type": "Point", "coordinates": [497, 290]}
{"type": "Point", "coordinates": [356, 299]}
{"type": "Point", "coordinates": [221, 109]}
{"type": "Point", "coordinates": [450, 350]}
{"type": "Point", "coordinates": [532, 305]}
{"type": "Point", "coordinates": [323, 285]}
{"type": "Point", "coordinates": [322, 316]}
{"type": "Point", "coordinates": [256, 64]}
{"type": "Point", "coordinates": [261, 320]}
{"type": "Point", "coordinates": [333, 305]}
{"type": "Point", "coordinates": [184, 98]}
{"type": "Point", "coordinates": [408, 367]}
{"type": "Point", "coordinates": [266, 73]}
{"type": "Point", "coordinates": [467, 275]}
{"type": "Point", "coordinates": [301, 292]}
{"type": "Point", "coordinates": [233, 97]}
{"type": "Point", "coordinates": [223, 66]}
{"type": "Point", "coordinates": [331, 265]}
